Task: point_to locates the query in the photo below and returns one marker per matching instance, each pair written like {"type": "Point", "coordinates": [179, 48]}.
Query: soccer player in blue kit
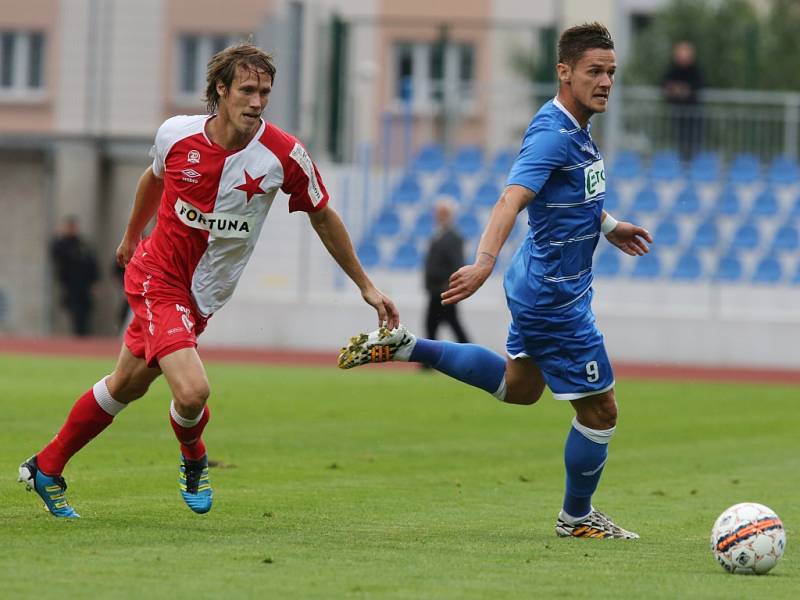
{"type": "Point", "coordinates": [559, 178]}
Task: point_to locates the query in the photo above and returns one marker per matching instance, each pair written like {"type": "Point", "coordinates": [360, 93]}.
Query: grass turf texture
{"type": "Point", "coordinates": [392, 484]}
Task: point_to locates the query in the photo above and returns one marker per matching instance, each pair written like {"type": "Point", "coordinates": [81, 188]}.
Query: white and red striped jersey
{"type": "Point", "coordinates": [215, 202]}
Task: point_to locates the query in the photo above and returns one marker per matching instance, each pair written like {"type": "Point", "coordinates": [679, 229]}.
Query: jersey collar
{"type": "Point", "coordinates": [563, 109]}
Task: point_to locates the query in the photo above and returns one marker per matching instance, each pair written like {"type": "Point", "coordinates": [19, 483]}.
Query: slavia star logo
{"type": "Point", "coordinates": [251, 186]}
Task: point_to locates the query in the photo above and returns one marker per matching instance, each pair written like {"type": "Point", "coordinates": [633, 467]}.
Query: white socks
{"type": "Point", "coordinates": [103, 398]}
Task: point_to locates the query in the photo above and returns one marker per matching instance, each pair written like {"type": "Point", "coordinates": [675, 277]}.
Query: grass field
{"type": "Point", "coordinates": [390, 484]}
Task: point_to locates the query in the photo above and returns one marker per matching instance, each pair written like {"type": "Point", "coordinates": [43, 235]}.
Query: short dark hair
{"type": "Point", "coordinates": [222, 67]}
{"type": "Point", "coordinates": [577, 40]}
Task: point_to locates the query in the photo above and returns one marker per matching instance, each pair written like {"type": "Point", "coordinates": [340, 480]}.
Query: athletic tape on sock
{"type": "Point", "coordinates": [103, 398]}
{"type": "Point", "coordinates": [182, 421]}
{"type": "Point", "coordinates": [500, 393]}
{"type": "Point", "coordinates": [598, 436]}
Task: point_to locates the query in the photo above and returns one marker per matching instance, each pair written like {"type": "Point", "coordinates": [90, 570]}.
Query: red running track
{"type": "Point", "coordinates": [109, 348]}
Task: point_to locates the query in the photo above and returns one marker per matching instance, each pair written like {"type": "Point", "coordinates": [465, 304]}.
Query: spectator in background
{"type": "Point", "coordinates": [681, 84]}
{"type": "Point", "coordinates": [124, 309]}
{"type": "Point", "coordinates": [445, 256]}
{"type": "Point", "coordinates": [76, 270]}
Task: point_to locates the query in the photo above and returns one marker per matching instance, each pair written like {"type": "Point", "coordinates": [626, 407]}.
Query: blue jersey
{"type": "Point", "coordinates": [561, 164]}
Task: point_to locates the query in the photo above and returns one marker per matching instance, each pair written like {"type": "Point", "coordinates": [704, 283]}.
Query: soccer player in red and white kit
{"type": "Point", "coordinates": [213, 180]}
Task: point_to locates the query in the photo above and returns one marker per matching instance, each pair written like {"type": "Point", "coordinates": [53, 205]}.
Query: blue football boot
{"type": "Point", "coordinates": [50, 489]}
{"type": "Point", "coordinates": [194, 484]}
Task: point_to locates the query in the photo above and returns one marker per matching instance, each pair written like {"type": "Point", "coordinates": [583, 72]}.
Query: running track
{"type": "Point", "coordinates": [109, 347]}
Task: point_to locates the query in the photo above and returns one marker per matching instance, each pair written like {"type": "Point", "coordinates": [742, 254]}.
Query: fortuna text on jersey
{"type": "Point", "coordinates": [221, 225]}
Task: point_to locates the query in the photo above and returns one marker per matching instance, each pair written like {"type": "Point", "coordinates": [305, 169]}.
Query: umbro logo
{"type": "Point", "coordinates": [190, 176]}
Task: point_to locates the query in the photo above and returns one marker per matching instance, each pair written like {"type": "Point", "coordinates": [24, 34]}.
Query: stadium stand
{"type": "Point", "coordinates": [714, 221]}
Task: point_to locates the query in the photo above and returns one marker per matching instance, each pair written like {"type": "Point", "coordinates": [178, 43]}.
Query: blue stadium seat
{"type": "Point", "coordinates": [424, 225]}
{"type": "Point", "coordinates": [746, 237]}
{"type": "Point", "coordinates": [487, 193]}
{"type": "Point", "coordinates": [646, 200]}
{"type": "Point", "coordinates": [768, 270]}
{"type": "Point", "coordinates": [387, 223]}
{"type": "Point", "coordinates": [468, 225]}
{"type": "Point", "coordinates": [705, 167]}
{"type": "Point", "coordinates": [796, 278]}
{"type": "Point", "coordinates": [688, 267]}
{"type": "Point", "coordinates": [765, 205]}
{"type": "Point", "coordinates": [429, 159]}
{"type": "Point", "coordinates": [744, 168]}
{"type": "Point", "coordinates": [787, 239]}
{"type": "Point", "coordinates": [647, 266]}
{"type": "Point", "coordinates": [408, 191]}
{"type": "Point", "coordinates": [467, 160]}
{"type": "Point", "coordinates": [503, 161]}
{"type": "Point", "coordinates": [369, 254]}
{"type": "Point", "coordinates": [665, 166]}
{"type": "Point", "coordinates": [728, 203]}
{"type": "Point", "coordinates": [687, 202]}
{"type": "Point", "coordinates": [729, 269]}
{"type": "Point", "coordinates": [783, 170]}
{"type": "Point", "coordinates": [627, 165]}
{"type": "Point", "coordinates": [794, 213]}
{"type": "Point", "coordinates": [611, 202]}
{"type": "Point", "coordinates": [667, 234]}
{"type": "Point", "coordinates": [607, 264]}
{"type": "Point", "coordinates": [406, 257]}
{"type": "Point", "coordinates": [706, 235]}
{"type": "Point", "coordinates": [449, 187]}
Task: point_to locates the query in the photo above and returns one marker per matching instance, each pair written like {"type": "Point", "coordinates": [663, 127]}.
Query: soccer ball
{"type": "Point", "coordinates": [748, 538]}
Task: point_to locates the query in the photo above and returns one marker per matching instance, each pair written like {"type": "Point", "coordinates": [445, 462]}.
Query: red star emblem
{"type": "Point", "coordinates": [251, 186]}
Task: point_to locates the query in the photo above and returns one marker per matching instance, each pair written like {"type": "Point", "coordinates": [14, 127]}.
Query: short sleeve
{"type": "Point", "coordinates": [543, 151]}
{"type": "Point", "coordinates": [159, 150]}
{"type": "Point", "coordinates": [302, 182]}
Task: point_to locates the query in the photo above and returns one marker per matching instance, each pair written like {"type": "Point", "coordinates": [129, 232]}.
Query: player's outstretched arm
{"type": "Point", "coordinates": [469, 278]}
{"type": "Point", "coordinates": [334, 237]}
{"type": "Point", "coordinates": [145, 205]}
{"type": "Point", "coordinates": [629, 238]}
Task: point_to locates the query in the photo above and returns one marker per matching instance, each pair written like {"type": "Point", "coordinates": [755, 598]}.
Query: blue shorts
{"type": "Point", "coordinates": [565, 344]}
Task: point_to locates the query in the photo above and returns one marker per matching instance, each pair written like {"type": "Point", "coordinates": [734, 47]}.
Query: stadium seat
{"type": "Point", "coordinates": [369, 254]}
{"type": "Point", "coordinates": [487, 194]}
{"type": "Point", "coordinates": [503, 161]}
{"type": "Point", "coordinates": [687, 202]}
{"type": "Point", "coordinates": [607, 264]}
{"type": "Point", "coordinates": [783, 170]}
{"type": "Point", "coordinates": [688, 267]}
{"type": "Point", "coordinates": [449, 187]}
{"type": "Point", "coordinates": [627, 165]}
{"type": "Point", "coordinates": [796, 278]}
{"type": "Point", "coordinates": [794, 213]}
{"type": "Point", "coordinates": [387, 223]}
{"type": "Point", "coordinates": [429, 159]}
{"type": "Point", "coordinates": [744, 168]}
{"type": "Point", "coordinates": [424, 225]}
{"type": "Point", "coordinates": [467, 160]}
{"type": "Point", "coordinates": [728, 203]}
{"type": "Point", "coordinates": [408, 191]}
{"type": "Point", "coordinates": [406, 257]}
{"type": "Point", "coordinates": [787, 239]}
{"type": "Point", "coordinates": [765, 204]}
{"type": "Point", "coordinates": [468, 225]}
{"type": "Point", "coordinates": [647, 266]}
{"type": "Point", "coordinates": [746, 237]}
{"type": "Point", "coordinates": [646, 200]}
{"type": "Point", "coordinates": [665, 166]}
{"type": "Point", "coordinates": [611, 202]}
{"type": "Point", "coordinates": [705, 168]}
{"type": "Point", "coordinates": [768, 270]}
{"type": "Point", "coordinates": [667, 234]}
{"type": "Point", "coordinates": [706, 235]}
{"type": "Point", "coordinates": [729, 269]}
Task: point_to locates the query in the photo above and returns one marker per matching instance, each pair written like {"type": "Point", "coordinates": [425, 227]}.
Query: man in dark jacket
{"type": "Point", "coordinates": [76, 271]}
{"type": "Point", "coordinates": [445, 257]}
{"type": "Point", "coordinates": [682, 83]}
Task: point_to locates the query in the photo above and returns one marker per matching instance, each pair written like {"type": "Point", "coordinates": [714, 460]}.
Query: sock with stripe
{"type": "Point", "coordinates": [91, 414]}
{"type": "Point", "coordinates": [470, 363]}
{"type": "Point", "coordinates": [585, 455]}
{"type": "Point", "coordinates": [189, 432]}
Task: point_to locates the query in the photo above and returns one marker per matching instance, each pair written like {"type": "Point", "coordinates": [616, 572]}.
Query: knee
{"type": "Point", "coordinates": [190, 396]}
{"type": "Point", "coordinates": [605, 412]}
{"type": "Point", "coordinates": [125, 387]}
{"type": "Point", "coordinates": [523, 395]}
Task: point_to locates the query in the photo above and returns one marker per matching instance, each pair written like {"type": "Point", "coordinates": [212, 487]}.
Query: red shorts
{"type": "Point", "coordinates": [165, 318]}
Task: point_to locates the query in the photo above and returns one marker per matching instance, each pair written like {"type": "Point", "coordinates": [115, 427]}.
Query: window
{"type": "Point", "coordinates": [21, 62]}
{"type": "Point", "coordinates": [194, 52]}
{"type": "Point", "coordinates": [429, 74]}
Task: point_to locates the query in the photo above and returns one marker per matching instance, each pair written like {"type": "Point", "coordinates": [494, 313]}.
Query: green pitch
{"type": "Point", "coordinates": [390, 484]}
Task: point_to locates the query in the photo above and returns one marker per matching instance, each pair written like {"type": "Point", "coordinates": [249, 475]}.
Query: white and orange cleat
{"type": "Point", "coordinates": [382, 345]}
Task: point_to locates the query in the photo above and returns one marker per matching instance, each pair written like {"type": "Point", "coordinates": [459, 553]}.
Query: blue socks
{"type": "Point", "coordinates": [585, 454]}
{"type": "Point", "coordinates": [470, 363]}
